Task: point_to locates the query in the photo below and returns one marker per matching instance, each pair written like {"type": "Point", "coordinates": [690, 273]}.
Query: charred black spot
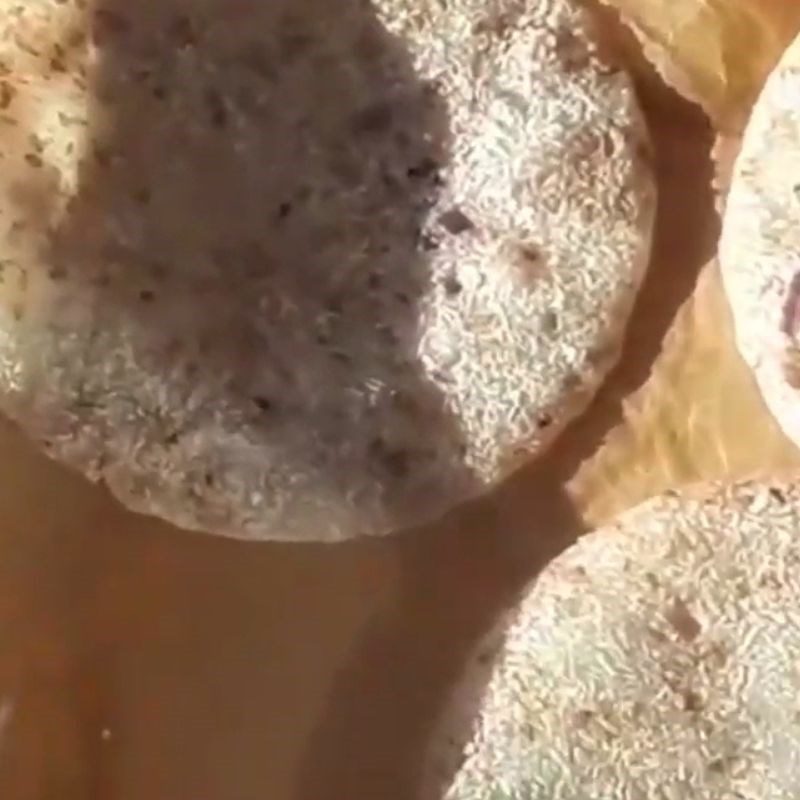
{"type": "Point", "coordinates": [550, 322]}
{"type": "Point", "coordinates": [208, 479]}
{"type": "Point", "coordinates": [263, 403]}
{"type": "Point", "coordinates": [777, 494]}
{"type": "Point", "coordinates": [452, 286]}
{"type": "Point", "coordinates": [428, 243]}
{"type": "Point", "coordinates": [425, 168]}
{"type": "Point", "coordinates": [284, 209]}
{"type": "Point", "coordinates": [692, 701]}
{"type": "Point", "coordinates": [544, 421]}
{"type": "Point", "coordinates": [683, 621]}
{"type": "Point", "coordinates": [529, 253]}
{"type": "Point", "coordinates": [456, 222]}
{"type": "Point", "coordinates": [172, 439]}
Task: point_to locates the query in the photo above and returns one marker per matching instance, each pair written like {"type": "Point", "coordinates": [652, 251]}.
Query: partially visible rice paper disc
{"type": "Point", "coordinates": [307, 269]}
{"type": "Point", "coordinates": [656, 658]}
{"type": "Point", "coordinates": [760, 244]}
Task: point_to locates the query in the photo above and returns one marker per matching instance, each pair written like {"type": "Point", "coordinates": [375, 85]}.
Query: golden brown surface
{"type": "Point", "coordinates": [226, 671]}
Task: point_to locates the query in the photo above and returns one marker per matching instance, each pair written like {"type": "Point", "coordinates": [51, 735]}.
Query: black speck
{"type": "Point", "coordinates": [428, 243]}
{"type": "Point", "coordinates": [147, 296]}
{"type": "Point", "coordinates": [683, 621]}
{"type": "Point", "coordinates": [777, 494]}
{"type": "Point", "coordinates": [550, 322]}
{"type": "Point", "coordinates": [425, 168]}
{"type": "Point", "coordinates": [160, 92]}
{"type": "Point", "coordinates": [545, 421]}
{"type": "Point", "coordinates": [692, 701]}
{"type": "Point", "coordinates": [208, 479]}
{"type": "Point", "coordinates": [456, 221]}
{"type": "Point", "coordinates": [284, 209]}
{"type": "Point", "coordinates": [263, 403]}
{"type": "Point", "coordinates": [452, 286]}
{"type": "Point", "coordinates": [403, 298]}
{"type": "Point", "coordinates": [530, 253]}
{"type": "Point", "coordinates": [374, 281]}
{"type": "Point", "coordinates": [171, 439]}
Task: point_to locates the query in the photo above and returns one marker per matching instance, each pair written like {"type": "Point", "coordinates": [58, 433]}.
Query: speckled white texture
{"type": "Point", "coordinates": [656, 658]}
{"type": "Point", "coordinates": [760, 244]}
{"type": "Point", "coordinates": [310, 269]}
